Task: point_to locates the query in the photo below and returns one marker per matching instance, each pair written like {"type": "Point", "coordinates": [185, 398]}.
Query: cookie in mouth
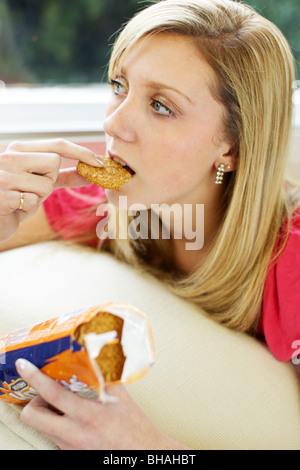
{"type": "Point", "coordinates": [112, 175]}
{"type": "Point", "coordinates": [124, 165]}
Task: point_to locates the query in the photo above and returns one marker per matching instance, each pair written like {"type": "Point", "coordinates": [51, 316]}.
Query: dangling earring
{"type": "Point", "coordinates": [220, 174]}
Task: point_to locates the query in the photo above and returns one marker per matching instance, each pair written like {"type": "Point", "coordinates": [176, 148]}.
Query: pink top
{"type": "Point", "coordinates": [68, 212]}
{"type": "Point", "coordinates": [280, 317]}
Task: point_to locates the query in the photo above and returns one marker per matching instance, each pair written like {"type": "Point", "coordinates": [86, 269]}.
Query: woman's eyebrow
{"type": "Point", "coordinates": [164, 86]}
{"type": "Point", "coordinates": [156, 85]}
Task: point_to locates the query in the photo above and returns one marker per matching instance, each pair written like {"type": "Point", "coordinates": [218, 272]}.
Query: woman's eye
{"type": "Point", "coordinates": [161, 109]}
{"type": "Point", "coordinates": [117, 87]}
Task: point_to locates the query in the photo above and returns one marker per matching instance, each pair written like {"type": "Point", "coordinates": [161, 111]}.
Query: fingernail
{"type": "Point", "coordinates": [21, 364]}
{"type": "Point", "coordinates": [100, 160]}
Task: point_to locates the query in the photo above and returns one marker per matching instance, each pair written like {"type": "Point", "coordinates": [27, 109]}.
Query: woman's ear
{"type": "Point", "coordinates": [228, 159]}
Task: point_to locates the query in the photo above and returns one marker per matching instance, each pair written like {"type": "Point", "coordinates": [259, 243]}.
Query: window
{"type": "Point", "coordinates": [54, 54]}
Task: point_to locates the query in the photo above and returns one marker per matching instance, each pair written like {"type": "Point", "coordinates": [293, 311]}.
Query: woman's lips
{"type": "Point", "coordinates": [122, 162]}
{"type": "Point", "coordinates": [130, 170]}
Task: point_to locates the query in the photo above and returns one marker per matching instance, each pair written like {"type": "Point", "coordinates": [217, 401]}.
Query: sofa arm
{"type": "Point", "coordinates": [210, 388]}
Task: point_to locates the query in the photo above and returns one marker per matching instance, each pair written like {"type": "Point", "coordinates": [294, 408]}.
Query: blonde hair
{"type": "Point", "coordinates": [254, 68]}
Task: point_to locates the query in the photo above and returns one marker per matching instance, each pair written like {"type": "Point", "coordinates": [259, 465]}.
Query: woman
{"type": "Point", "coordinates": [201, 111]}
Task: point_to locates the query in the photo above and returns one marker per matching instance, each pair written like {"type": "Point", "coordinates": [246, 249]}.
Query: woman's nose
{"type": "Point", "coordinates": [119, 121]}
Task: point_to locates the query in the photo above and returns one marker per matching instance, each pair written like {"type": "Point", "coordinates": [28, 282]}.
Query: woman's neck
{"type": "Point", "coordinates": [188, 259]}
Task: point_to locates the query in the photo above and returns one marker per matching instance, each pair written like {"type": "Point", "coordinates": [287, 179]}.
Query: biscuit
{"type": "Point", "coordinates": [111, 176]}
{"type": "Point", "coordinates": [111, 358]}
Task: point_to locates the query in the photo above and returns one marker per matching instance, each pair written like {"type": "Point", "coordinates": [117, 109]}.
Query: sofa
{"type": "Point", "coordinates": [210, 388]}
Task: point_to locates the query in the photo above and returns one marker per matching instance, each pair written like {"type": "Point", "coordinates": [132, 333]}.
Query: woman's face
{"type": "Point", "coordinates": [163, 121]}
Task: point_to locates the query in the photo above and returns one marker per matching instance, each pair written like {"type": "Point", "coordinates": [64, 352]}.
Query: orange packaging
{"type": "Point", "coordinates": [85, 350]}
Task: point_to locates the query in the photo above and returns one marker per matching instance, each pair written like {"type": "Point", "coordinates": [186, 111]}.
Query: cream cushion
{"type": "Point", "coordinates": [210, 388]}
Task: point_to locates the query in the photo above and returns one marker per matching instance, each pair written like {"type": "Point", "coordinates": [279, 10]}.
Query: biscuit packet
{"type": "Point", "coordinates": [85, 350]}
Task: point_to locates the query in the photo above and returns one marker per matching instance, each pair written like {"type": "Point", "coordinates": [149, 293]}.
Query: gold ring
{"type": "Point", "coordinates": [21, 201]}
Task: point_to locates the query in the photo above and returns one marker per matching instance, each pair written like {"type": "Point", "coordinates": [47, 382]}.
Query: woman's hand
{"type": "Point", "coordinates": [29, 172]}
{"type": "Point", "coordinates": [76, 423]}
